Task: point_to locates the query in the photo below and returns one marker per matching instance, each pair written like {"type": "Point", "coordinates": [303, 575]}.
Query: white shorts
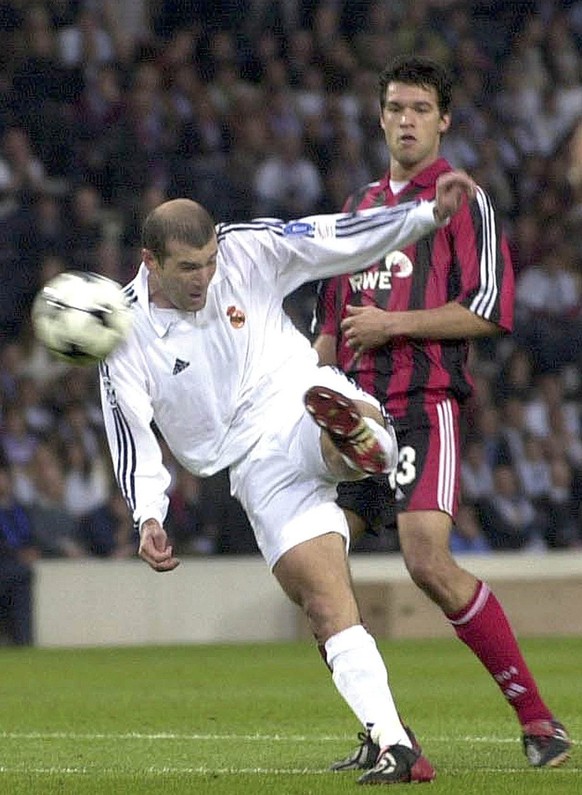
{"type": "Point", "coordinates": [283, 483]}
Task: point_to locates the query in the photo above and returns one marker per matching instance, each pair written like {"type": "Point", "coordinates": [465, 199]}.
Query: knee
{"type": "Point", "coordinates": [328, 616]}
{"type": "Point", "coordinates": [431, 569]}
{"type": "Point", "coordinates": [321, 615]}
{"type": "Point", "coordinates": [422, 572]}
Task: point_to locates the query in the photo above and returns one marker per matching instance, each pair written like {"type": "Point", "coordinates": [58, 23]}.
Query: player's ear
{"type": "Point", "coordinates": [149, 259]}
{"type": "Point", "coordinates": [444, 123]}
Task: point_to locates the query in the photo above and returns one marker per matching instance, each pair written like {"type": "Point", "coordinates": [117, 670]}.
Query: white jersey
{"type": "Point", "coordinates": [206, 380]}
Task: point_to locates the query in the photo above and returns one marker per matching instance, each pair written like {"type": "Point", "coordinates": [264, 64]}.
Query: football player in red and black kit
{"type": "Point", "coordinates": [401, 329]}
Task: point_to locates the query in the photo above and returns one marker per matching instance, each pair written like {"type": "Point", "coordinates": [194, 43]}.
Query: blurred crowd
{"type": "Point", "coordinates": [261, 108]}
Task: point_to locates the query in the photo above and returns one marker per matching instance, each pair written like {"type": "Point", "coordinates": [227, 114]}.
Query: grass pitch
{"type": "Point", "coordinates": [226, 720]}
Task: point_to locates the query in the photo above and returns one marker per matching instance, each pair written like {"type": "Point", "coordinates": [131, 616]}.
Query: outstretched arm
{"type": "Point", "coordinates": [321, 246]}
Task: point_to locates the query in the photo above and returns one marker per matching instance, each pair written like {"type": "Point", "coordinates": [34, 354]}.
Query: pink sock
{"type": "Point", "coordinates": [483, 626]}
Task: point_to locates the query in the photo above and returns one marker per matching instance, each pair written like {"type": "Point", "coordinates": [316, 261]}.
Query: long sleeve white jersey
{"type": "Point", "coordinates": [206, 380]}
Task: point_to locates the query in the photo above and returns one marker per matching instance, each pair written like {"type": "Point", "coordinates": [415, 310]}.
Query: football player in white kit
{"type": "Point", "coordinates": [214, 362]}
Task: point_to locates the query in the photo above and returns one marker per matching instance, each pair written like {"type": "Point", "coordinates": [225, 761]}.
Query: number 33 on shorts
{"type": "Point", "coordinates": [428, 471]}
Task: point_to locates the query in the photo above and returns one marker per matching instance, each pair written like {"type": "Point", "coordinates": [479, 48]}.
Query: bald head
{"type": "Point", "coordinates": [180, 220]}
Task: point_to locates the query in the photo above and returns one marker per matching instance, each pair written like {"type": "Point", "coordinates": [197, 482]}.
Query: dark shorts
{"type": "Point", "coordinates": [427, 477]}
{"type": "Point", "coordinates": [371, 499]}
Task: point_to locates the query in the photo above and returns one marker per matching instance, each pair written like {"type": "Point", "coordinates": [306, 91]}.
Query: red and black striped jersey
{"type": "Point", "coordinates": [467, 261]}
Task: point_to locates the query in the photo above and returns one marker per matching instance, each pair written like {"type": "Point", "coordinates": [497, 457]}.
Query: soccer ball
{"type": "Point", "coordinates": [81, 317]}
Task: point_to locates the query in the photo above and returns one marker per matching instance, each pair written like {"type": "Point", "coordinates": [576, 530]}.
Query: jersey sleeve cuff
{"type": "Point", "coordinates": [429, 207]}
{"type": "Point", "coordinates": [156, 512]}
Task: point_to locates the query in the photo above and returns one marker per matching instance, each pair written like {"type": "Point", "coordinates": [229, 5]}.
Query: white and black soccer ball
{"type": "Point", "coordinates": [81, 317]}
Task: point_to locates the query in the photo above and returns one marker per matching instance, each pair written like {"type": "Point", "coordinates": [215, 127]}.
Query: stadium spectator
{"type": "Point", "coordinates": [109, 259]}
{"type": "Point", "coordinates": [225, 520]}
{"type": "Point", "coordinates": [107, 530]}
{"type": "Point", "coordinates": [18, 442]}
{"type": "Point", "coordinates": [128, 24]}
{"type": "Point", "coordinates": [140, 155]}
{"type": "Point", "coordinates": [31, 400]}
{"type": "Point", "coordinates": [85, 44]}
{"type": "Point", "coordinates": [22, 174]}
{"type": "Point", "coordinates": [76, 427]}
{"type": "Point", "coordinates": [402, 329]}
{"type": "Point", "coordinates": [199, 164]}
{"type": "Point", "coordinates": [514, 428]}
{"type": "Point", "coordinates": [564, 440]}
{"type": "Point", "coordinates": [467, 535]}
{"type": "Point", "coordinates": [515, 377]}
{"type": "Point", "coordinates": [24, 478]}
{"type": "Point", "coordinates": [373, 39]}
{"type": "Point", "coordinates": [74, 396]}
{"type": "Point", "coordinates": [494, 176]}
{"type": "Point", "coordinates": [548, 292]}
{"type": "Point", "coordinates": [349, 156]}
{"type": "Point", "coordinates": [250, 142]}
{"type": "Point", "coordinates": [476, 474]}
{"type": "Point", "coordinates": [489, 430]}
{"type": "Point", "coordinates": [43, 234]}
{"type": "Point", "coordinates": [87, 483]}
{"type": "Point", "coordinates": [187, 528]}
{"type": "Point", "coordinates": [222, 69]}
{"type": "Point", "coordinates": [534, 474]}
{"type": "Point", "coordinates": [548, 395]}
{"type": "Point", "coordinates": [98, 115]}
{"type": "Point", "coordinates": [54, 528]}
{"type": "Point", "coordinates": [234, 397]}
{"type": "Point", "coordinates": [563, 527]}
{"type": "Point", "coordinates": [204, 137]}
{"type": "Point", "coordinates": [85, 228]}
{"type": "Point", "coordinates": [132, 222]}
{"type": "Point", "coordinates": [509, 517]}
{"type": "Point", "coordinates": [287, 185]}
{"type": "Point", "coordinates": [17, 553]}
{"type": "Point", "coordinates": [43, 90]}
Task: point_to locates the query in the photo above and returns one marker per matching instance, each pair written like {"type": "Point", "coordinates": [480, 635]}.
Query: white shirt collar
{"type": "Point", "coordinates": [160, 323]}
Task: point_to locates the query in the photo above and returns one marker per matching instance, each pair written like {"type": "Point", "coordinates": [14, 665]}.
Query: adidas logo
{"type": "Point", "coordinates": [179, 365]}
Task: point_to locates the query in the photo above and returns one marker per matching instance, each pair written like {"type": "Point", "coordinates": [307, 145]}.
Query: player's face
{"type": "Point", "coordinates": [413, 125]}
{"type": "Point", "coordinates": [181, 281]}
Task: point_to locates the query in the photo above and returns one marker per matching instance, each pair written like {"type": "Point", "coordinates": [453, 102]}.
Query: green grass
{"type": "Point", "coordinates": [261, 719]}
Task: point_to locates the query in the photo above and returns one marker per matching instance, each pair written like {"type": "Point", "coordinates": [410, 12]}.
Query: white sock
{"type": "Point", "coordinates": [387, 440]}
{"type": "Point", "coordinates": [361, 678]}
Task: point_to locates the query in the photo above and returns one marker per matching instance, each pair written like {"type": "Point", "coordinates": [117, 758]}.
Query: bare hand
{"type": "Point", "coordinates": [364, 328]}
{"type": "Point", "coordinates": [154, 547]}
{"type": "Point", "coordinates": [451, 188]}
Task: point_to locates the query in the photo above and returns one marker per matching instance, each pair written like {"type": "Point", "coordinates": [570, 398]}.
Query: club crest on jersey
{"type": "Point", "coordinates": [236, 316]}
{"type": "Point", "coordinates": [396, 265]}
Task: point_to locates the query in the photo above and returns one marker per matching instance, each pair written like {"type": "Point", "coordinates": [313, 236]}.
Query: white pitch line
{"type": "Point", "coordinates": [261, 771]}
{"type": "Point", "coordinates": [293, 738]}
{"type": "Point", "coordinates": [163, 771]}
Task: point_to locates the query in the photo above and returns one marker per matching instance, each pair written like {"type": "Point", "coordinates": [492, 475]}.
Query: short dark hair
{"type": "Point", "coordinates": [182, 220]}
{"type": "Point", "coordinates": [417, 71]}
